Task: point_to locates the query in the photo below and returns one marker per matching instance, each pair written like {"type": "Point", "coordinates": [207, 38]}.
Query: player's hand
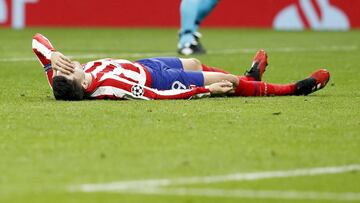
{"type": "Point", "coordinates": [61, 63]}
{"type": "Point", "coordinates": [221, 87]}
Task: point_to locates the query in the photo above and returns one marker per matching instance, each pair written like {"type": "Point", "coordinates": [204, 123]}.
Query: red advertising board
{"type": "Point", "coordinates": [279, 14]}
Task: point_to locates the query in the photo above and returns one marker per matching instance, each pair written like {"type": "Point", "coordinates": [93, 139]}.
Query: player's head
{"type": "Point", "coordinates": [70, 87]}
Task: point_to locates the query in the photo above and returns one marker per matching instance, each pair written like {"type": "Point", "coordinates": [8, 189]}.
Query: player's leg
{"type": "Point", "coordinates": [256, 71]}
{"type": "Point", "coordinates": [188, 43]}
{"type": "Point", "coordinates": [204, 9]}
{"type": "Point", "coordinates": [176, 73]}
{"type": "Point", "coordinates": [258, 66]}
{"type": "Point", "coordinates": [165, 78]}
{"type": "Point", "coordinates": [169, 73]}
{"type": "Point", "coordinates": [244, 87]}
{"type": "Point", "coordinates": [193, 64]}
{"type": "Point", "coordinates": [314, 82]}
{"type": "Point", "coordinates": [214, 77]}
{"type": "Point", "coordinates": [186, 64]}
{"type": "Point", "coordinates": [257, 88]}
{"type": "Point", "coordinates": [188, 11]}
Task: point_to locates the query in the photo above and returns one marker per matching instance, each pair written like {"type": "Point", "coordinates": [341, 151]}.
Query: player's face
{"type": "Point", "coordinates": [78, 75]}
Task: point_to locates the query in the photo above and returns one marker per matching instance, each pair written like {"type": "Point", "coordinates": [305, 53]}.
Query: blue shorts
{"type": "Point", "coordinates": [168, 73]}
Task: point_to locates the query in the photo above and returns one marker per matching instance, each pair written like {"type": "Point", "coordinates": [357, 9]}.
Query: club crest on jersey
{"type": "Point", "coordinates": [137, 90]}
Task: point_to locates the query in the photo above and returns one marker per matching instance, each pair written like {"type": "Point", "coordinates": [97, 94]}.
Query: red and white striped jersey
{"type": "Point", "coordinates": [122, 79]}
{"type": "Point", "coordinates": [115, 78]}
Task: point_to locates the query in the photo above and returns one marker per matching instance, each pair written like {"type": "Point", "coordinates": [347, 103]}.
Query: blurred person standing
{"type": "Point", "coordinates": [192, 13]}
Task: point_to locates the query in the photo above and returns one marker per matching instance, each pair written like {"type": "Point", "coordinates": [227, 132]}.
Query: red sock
{"type": "Point", "coordinates": [256, 88]}
{"type": "Point", "coordinates": [247, 78]}
{"type": "Point", "coordinates": [212, 69]}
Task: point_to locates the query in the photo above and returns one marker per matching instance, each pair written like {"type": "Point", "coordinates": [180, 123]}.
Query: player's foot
{"type": "Point", "coordinates": [43, 49]}
{"type": "Point", "coordinates": [197, 36]}
{"type": "Point", "coordinates": [193, 47]}
{"type": "Point", "coordinates": [258, 65]}
{"type": "Point", "coordinates": [314, 82]}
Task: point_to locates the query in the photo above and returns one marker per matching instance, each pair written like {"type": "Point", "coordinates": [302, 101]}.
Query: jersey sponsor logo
{"type": "Point", "coordinates": [314, 14]}
{"type": "Point", "coordinates": [177, 85]}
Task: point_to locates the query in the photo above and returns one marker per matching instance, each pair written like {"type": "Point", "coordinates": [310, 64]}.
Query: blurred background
{"type": "Point", "coordinates": [278, 14]}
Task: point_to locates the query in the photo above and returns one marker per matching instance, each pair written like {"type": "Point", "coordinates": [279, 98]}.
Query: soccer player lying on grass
{"type": "Point", "coordinates": [159, 78]}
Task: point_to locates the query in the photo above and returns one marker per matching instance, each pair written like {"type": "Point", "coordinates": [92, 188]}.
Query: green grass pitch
{"type": "Point", "coordinates": [47, 146]}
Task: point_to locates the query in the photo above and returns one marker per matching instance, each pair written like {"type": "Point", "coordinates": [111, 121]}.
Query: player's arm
{"type": "Point", "coordinates": [49, 58]}
{"type": "Point", "coordinates": [58, 63]}
{"type": "Point", "coordinates": [124, 89]}
{"type": "Point", "coordinates": [197, 92]}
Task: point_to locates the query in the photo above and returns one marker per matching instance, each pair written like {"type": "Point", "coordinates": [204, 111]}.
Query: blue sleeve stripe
{"type": "Point", "coordinates": [47, 67]}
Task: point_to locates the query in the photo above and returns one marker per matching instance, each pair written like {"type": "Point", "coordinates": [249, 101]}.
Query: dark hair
{"type": "Point", "coordinates": [65, 89]}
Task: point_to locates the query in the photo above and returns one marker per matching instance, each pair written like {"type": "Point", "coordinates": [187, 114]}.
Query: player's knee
{"type": "Point", "coordinates": [232, 78]}
{"type": "Point", "coordinates": [196, 63]}
{"type": "Point", "coordinates": [191, 64]}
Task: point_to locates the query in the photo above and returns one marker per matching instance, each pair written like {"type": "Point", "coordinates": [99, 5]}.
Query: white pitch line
{"type": "Point", "coordinates": [252, 176]}
{"type": "Point", "coordinates": [287, 49]}
{"type": "Point", "coordinates": [253, 194]}
{"type": "Point", "coordinates": [223, 51]}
